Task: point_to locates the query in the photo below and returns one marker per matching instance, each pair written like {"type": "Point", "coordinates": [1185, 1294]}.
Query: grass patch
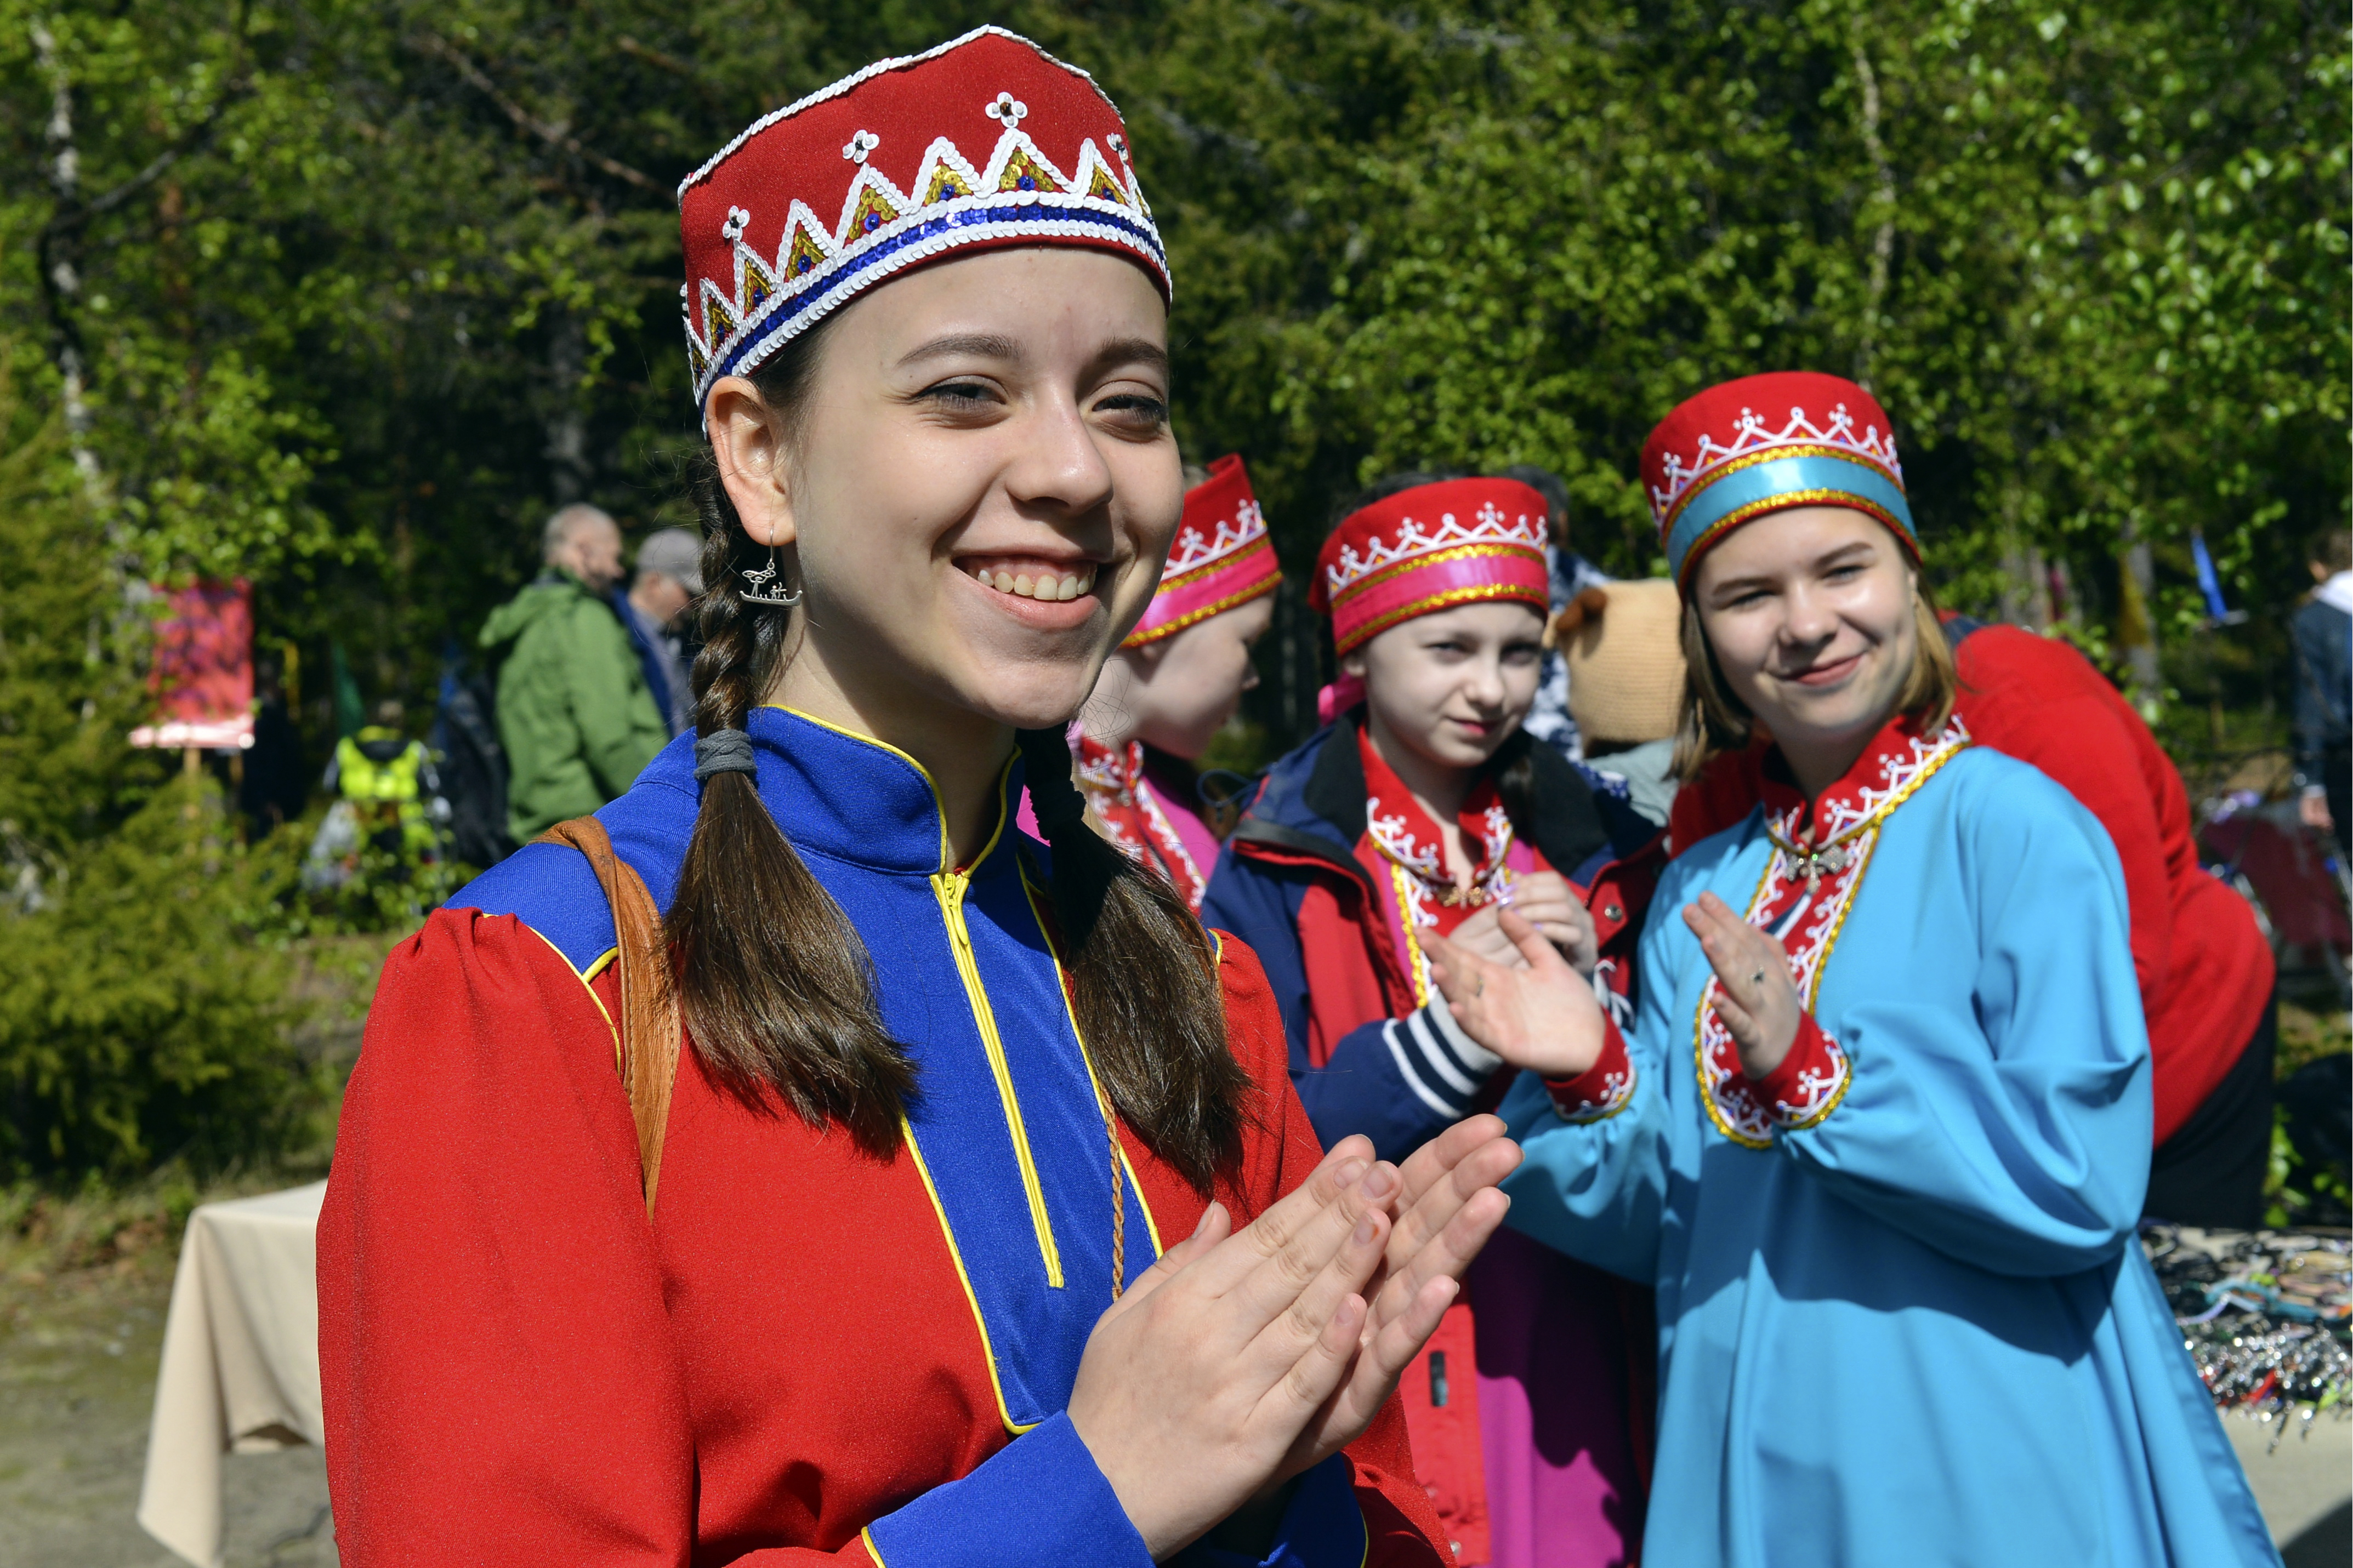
{"type": "Point", "coordinates": [50, 1229]}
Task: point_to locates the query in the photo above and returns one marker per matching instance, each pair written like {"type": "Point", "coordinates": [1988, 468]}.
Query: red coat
{"type": "Point", "coordinates": [519, 1368]}
{"type": "Point", "coordinates": [2205, 971]}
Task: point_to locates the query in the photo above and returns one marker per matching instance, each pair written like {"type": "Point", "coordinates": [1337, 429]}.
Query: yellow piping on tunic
{"type": "Point", "coordinates": [955, 1256]}
{"type": "Point", "coordinates": [1417, 969]}
{"type": "Point", "coordinates": [950, 887]}
{"type": "Point", "coordinates": [939, 803]}
{"type": "Point", "coordinates": [596, 968]}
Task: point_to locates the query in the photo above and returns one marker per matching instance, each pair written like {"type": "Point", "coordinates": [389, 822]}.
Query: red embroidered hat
{"type": "Point", "coordinates": [984, 141]}
{"type": "Point", "coordinates": [1431, 548]}
{"type": "Point", "coordinates": [1221, 559]}
{"type": "Point", "coordinates": [1763, 443]}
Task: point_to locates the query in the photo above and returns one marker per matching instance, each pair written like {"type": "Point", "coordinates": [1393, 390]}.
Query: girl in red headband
{"type": "Point", "coordinates": [1879, 1128]}
{"type": "Point", "coordinates": [795, 1163]}
{"type": "Point", "coordinates": [1423, 809]}
{"type": "Point", "coordinates": [1176, 680]}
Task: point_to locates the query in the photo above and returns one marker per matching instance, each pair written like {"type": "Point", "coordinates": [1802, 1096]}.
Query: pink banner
{"type": "Point", "coordinates": [203, 673]}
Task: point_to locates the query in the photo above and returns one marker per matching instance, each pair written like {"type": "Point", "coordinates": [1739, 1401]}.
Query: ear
{"type": "Point", "coordinates": [1353, 664]}
{"type": "Point", "coordinates": [748, 442]}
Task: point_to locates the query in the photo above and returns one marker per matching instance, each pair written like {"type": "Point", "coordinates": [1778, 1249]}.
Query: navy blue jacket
{"type": "Point", "coordinates": [2324, 684]}
{"type": "Point", "coordinates": [1400, 1081]}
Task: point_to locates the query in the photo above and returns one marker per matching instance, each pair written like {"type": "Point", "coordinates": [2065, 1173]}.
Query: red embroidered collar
{"type": "Point", "coordinates": [1113, 779]}
{"type": "Point", "coordinates": [1409, 838]}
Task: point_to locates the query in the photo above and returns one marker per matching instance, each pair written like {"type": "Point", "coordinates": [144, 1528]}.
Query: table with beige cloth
{"type": "Point", "coordinates": [240, 1369]}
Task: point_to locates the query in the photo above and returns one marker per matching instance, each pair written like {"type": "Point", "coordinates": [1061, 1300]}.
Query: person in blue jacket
{"type": "Point", "coordinates": [1879, 1133]}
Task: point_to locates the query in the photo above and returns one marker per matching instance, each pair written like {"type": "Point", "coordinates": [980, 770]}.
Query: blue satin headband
{"type": "Point", "coordinates": [1774, 484]}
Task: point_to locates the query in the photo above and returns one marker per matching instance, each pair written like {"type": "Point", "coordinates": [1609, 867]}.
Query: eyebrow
{"type": "Point", "coordinates": [1130, 351]}
{"type": "Point", "coordinates": [973, 346]}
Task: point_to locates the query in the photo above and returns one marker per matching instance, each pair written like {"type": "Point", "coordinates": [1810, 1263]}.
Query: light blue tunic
{"type": "Point", "coordinates": [1921, 1332]}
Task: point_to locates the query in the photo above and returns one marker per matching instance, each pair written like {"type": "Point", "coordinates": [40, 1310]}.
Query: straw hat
{"type": "Point", "coordinates": [1623, 641]}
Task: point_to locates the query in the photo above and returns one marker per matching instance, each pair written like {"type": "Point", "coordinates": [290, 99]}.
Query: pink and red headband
{"type": "Point", "coordinates": [1431, 548]}
{"type": "Point", "coordinates": [1222, 558]}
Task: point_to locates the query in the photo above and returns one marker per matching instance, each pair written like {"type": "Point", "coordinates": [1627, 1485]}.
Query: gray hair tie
{"type": "Point", "coordinates": [723, 752]}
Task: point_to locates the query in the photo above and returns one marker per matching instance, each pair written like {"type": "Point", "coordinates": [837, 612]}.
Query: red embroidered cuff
{"type": "Point", "coordinates": [1811, 1080]}
{"type": "Point", "coordinates": [1601, 1090]}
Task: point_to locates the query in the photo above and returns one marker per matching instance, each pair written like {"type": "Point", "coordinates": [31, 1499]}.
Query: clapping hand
{"type": "Point", "coordinates": [1542, 1015]}
{"type": "Point", "coordinates": [1754, 995]}
{"type": "Point", "coordinates": [1546, 900]}
{"type": "Point", "coordinates": [1241, 1359]}
{"type": "Point", "coordinates": [1447, 1211]}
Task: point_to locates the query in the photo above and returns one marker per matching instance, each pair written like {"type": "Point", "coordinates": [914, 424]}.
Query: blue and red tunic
{"type": "Point", "coordinates": [1530, 1409]}
{"type": "Point", "coordinates": [807, 1354]}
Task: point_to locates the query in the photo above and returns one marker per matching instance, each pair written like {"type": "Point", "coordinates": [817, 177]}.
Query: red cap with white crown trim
{"type": "Point", "coordinates": [981, 142]}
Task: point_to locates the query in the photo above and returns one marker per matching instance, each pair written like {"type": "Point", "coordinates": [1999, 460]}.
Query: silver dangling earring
{"type": "Point", "coordinates": [756, 589]}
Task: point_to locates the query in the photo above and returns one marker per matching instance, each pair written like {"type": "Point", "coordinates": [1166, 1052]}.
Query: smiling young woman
{"type": "Point", "coordinates": [1879, 1130]}
{"type": "Point", "coordinates": [949, 1204]}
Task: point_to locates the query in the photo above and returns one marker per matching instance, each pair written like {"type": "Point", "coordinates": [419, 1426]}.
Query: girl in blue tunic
{"type": "Point", "coordinates": [1880, 1130]}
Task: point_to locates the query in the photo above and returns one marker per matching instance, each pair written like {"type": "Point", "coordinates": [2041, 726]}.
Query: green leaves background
{"type": "Point", "coordinates": [342, 296]}
{"type": "Point", "coordinates": [408, 274]}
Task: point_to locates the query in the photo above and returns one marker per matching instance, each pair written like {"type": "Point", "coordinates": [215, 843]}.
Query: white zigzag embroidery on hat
{"type": "Point", "coordinates": [877, 212]}
{"type": "Point", "coordinates": [1490, 525]}
{"type": "Point", "coordinates": [1873, 444]}
{"type": "Point", "coordinates": [1194, 549]}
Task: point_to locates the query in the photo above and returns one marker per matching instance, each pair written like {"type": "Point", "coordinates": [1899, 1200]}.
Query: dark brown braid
{"type": "Point", "coordinates": [776, 985]}
{"type": "Point", "coordinates": [1143, 981]}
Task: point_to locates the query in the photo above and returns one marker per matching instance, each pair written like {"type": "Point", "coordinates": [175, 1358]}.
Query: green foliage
{"type": "Point", "coordinates": [341, 297]}
{"type": "Point", "coordinates": [141, 1019]}
{"type": "Point", "coordinates": [2298, 1194]}
{"type": "Point", "coordinates": [373, 286]}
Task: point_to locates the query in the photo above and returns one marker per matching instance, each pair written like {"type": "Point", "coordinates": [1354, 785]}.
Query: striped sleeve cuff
{"type": "Point", "coordinates": [1441, 1065]}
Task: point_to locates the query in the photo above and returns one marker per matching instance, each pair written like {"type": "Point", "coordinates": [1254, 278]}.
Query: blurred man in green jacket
{"type": "Point", "coordinates": [575, 715]}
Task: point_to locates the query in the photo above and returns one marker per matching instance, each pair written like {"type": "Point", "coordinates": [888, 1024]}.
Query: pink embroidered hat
{"type": "Point", "coordinates": [1222, 557]}
{"type": "Point", "coordinates": [984, 141]}
{"type": "Point", "coordinates": [1431, 548]}
{"type": "Point", "coordinates": [1763, 443]}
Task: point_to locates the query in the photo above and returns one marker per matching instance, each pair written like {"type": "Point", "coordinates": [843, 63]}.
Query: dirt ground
{"type": "Point", "coordinates": [77, 1358]}
{"type": "Point", "coordinates": [84, 1285]}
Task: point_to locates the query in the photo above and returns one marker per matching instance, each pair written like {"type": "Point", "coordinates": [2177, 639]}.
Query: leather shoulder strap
{"type": "Point", "coordinates": [647, 1054]}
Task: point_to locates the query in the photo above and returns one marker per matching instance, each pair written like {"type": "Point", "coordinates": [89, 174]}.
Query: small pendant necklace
{"type": "Point", "coordinates": [1813, 861]}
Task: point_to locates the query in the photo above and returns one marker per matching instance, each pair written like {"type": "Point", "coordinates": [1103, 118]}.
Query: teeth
{"type": "Point", "coordinates": [1046, 587]}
